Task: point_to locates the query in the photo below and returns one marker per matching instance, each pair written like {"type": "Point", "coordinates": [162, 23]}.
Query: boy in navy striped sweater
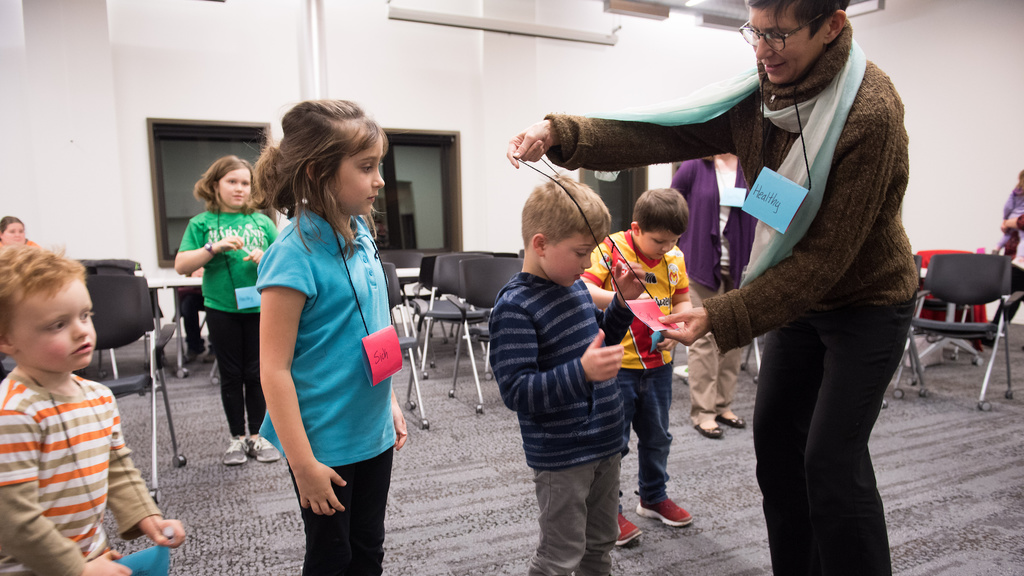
{"type": "Point", "coordinates": [551, 365]}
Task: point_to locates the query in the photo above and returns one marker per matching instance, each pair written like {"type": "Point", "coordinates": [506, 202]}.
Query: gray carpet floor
{"type": "Point", "coordinates": [462, 502]}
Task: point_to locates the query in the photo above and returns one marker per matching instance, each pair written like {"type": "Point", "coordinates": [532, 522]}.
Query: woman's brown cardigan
{"type": "Point", "coordinates": [855, 253]}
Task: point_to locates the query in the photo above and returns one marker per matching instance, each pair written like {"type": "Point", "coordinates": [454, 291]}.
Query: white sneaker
{"type": "Point", "coordinates": [262, 450]}
{"type": "Point", "coordinates": [235, 454]}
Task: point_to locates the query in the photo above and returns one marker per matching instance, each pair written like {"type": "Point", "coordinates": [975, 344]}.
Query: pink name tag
{"type": "Point", "coordinates": [382, 354]}
{"type": "Point", "coordinates": [648, 312]}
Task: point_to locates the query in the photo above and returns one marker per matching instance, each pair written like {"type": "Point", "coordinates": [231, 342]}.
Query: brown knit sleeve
{"type": "Point", "coordinates": [616, 145]}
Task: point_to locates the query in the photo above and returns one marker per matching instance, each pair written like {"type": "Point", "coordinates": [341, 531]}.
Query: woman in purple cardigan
{"type": "Point", "coordinates": [717, 248]}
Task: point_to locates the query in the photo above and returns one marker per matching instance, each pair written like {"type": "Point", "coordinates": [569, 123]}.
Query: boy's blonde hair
{"type": "Point", "coordinates": [30, 270]}
{"type": "Point", "coordinates": [205, 189]}
{"type": "Point", "coordinates": [662, 210]}
{"type": "Point", "coordinates": [550, 211]}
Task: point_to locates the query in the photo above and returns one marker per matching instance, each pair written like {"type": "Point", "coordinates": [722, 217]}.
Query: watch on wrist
{"type": "Point", "coordinates": [209, 248]}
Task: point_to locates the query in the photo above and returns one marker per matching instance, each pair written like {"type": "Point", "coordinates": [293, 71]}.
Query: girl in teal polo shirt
{"type": "Point", "coordinates": [228, 241]}
{"type": "Point", "coordinates": [323, 290]}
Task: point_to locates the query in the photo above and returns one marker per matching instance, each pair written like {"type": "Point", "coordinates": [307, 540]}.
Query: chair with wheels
{"type": "Point", "coordinates": [122, 314]}
{"type": "Point", "coordinates": [968, 280]}
{"type": "Point", "coordinates": [480, 280]}
{"type": "Point", "coordinates": [407, 341]}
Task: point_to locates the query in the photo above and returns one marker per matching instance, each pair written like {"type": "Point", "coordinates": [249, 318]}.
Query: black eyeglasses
{"type": "Point", "coordinates": [776, 41]}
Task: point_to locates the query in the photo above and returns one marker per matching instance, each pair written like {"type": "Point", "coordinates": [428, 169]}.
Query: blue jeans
{"type": "Point", "coordinates": [646, 398]}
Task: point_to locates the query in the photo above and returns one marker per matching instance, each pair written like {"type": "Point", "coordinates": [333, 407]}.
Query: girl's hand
{"type": "Point", "coordinates": [531, 144]}
{"type": "Point", "coordinates": [157, 529]}
{"type": "Point", "coordinates": [401, 430]}
{"type": "Point", "coordinates": [105, 566]}
{"type": "Point", "coordinates": [695, 324]}
{"type": "Point", "coordinates": [228, 244]}
{"type": "Point", "coordinates": [254, 256]}
{"type": "Point", "coordinates": [601, 362]}
{"type": "Point", "coordinates": [316, 488]}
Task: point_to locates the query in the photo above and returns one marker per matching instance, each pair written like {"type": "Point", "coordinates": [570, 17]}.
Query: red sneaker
{"type": "Point", "coordinates": [627, 531]}
{"type": "Point", "coordinates": [666, 511]}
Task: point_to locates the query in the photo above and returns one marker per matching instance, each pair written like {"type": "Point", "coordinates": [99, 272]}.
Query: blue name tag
{"type": "Point", "coordinates": [774, 199]}
{"type": "Point", "coordinates": [732, 197]}
{"type": "Point", "coordinates": [247, 297]}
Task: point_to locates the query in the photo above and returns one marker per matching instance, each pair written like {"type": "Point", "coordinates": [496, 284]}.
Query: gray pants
{"type": "Point", "coordinates": [578, 519]}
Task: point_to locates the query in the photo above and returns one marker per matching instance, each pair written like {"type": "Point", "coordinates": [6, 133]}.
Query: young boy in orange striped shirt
{"type": "Point", "coordinates": [63, 458]}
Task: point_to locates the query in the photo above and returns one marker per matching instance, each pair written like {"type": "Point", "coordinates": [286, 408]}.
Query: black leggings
{"type": "Point", "coordinates": [350, 543]}
{"type": "Point", "coordinates": [236, 343]}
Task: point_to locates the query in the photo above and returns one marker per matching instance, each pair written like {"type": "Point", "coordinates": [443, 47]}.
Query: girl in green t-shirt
{"type": "Point", "coordinates": [228, 241]}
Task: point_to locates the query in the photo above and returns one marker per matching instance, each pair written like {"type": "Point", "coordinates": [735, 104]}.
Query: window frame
{"type": "Point", "coordinates": [451, 182]}
{"type": "Point", "coordinates": [161, 129]}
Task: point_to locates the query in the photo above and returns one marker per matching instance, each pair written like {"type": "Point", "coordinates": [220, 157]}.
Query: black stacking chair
{"type": "Point", "coordinates": [438, 309]}
{"type": "Point", "coordinates": [122, 314]}
{"type": "Point", "coordinates": [103, 267]}
{"type": "Point", "coordinates": [407, 340]}
{"type": "Point", "coordinates": [910, 354]}
{"type": "Point", "coordinates": [480, 280]}
{"type": "Point", "coordinates": [403, 259]}
{"type": "Point", "coordinates": [969, 280]}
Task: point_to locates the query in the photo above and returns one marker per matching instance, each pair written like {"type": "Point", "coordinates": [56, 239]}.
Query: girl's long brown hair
{"type": "Point", "coordinates": [296, 175]}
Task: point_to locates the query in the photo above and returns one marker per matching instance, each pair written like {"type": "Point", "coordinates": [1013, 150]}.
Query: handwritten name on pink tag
{"type": "Point", "coordinates": [382, 354]}
{"type": "Point", "coordinates": [648, 312]}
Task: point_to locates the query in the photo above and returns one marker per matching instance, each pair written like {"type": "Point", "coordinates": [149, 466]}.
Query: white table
{"type": "Point", "coordinates": [159, 283]}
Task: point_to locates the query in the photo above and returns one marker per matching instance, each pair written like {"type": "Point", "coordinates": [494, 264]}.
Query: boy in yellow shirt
{"type": "Point", "coordinates": [659, 217]}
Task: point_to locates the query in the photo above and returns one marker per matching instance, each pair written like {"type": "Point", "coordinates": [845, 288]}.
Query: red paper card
{"type": "Point", "coordinates": [382, 354]}
{"type": "Point", "coordinates": [648, 312]}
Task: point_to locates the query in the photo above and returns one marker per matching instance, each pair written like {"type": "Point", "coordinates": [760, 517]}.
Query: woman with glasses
{"type": "Point", "coordinates": [833, 293]}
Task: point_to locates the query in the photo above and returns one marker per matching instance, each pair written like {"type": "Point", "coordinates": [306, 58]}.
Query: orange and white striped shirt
{"type": "Point", "coordinates": [64, 443]}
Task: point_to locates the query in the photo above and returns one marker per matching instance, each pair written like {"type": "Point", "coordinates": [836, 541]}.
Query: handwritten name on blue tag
{"type": "Point", "coordinates": [247, 297]}
{"type": "Point", "coordinates": [774, 199]}
{"type": "Point", "coordinates": [732, 197]}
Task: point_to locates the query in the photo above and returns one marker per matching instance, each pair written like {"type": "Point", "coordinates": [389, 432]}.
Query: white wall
{"type": "Point", "coordinates": [956, 64]}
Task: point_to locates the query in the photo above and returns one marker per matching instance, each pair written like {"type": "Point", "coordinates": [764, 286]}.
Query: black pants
{"type": "Point", "coordinates": [351, 543]}
{"type": "Point", "coordinates": [190, 302]}
{"type": "Point", "coordinates": [819, 392]}
{"type": "Point", "coordinates": [236, 342]}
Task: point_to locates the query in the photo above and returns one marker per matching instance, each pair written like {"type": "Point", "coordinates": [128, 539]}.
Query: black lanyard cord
{"type": "Point", "coordinates": [607, 258]}
{"type": "Point", "coordinates": [765, 134]}
{"type": "Point", "coordinates": [348, 274]}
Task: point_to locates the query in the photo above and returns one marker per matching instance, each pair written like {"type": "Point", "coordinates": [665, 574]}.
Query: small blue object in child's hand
{"type": "Point", "coordinates": [656, 337]}
{"type": "Point", "coordinates": [153, 561]}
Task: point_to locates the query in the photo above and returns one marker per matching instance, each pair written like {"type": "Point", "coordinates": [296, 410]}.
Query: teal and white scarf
{"type": "Point", "coordinates": [826, 116]}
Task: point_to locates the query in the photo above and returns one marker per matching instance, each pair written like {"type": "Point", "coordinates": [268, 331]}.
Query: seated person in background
{"type": "Point", "coordinates": [12, 233]}
{"type": "Point", "coordinates": [61, 444]}
{"type": "Point", "coordinates": [190, 301]}
{"type": "Point", "coordinates": [552, 368]}
{"type": "Point", "coordinates": [659, 217]}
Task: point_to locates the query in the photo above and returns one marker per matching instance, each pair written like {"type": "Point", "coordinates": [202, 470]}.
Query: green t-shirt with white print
{"type": "Point", "coordinates": [227, 270]}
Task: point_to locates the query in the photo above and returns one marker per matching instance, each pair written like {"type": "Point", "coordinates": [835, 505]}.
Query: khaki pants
{"type": "Point", "coordinates": [712, 375]}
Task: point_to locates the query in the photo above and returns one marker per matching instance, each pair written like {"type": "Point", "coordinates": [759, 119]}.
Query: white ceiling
{"type": "Point", "coordinates": [734, 12]}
